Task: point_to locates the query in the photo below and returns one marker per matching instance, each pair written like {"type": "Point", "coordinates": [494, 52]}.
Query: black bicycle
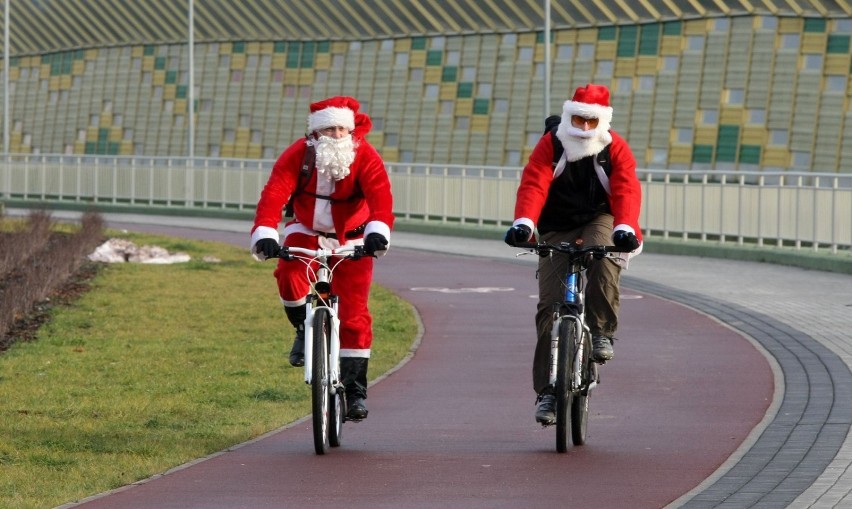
{"type": "Point", "coordinates": [573, 373]}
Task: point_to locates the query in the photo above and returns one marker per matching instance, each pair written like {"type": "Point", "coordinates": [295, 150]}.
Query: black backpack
{"type": "Point", "coordinates": [551, 124]}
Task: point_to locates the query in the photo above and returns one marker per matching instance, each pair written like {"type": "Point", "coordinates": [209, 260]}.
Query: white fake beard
{"type": "Point", "coordinates": [334, 156]}
{"type": "Point", "coordinates": [579, 143]}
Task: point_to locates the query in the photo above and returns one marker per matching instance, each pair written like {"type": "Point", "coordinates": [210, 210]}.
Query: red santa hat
{"type": "Point", "coordinates": [590, 101]}
{"type": "Point", "coordinates": [333, 112]}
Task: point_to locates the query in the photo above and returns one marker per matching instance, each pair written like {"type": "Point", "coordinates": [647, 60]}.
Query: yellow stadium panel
{"type": "Point", "coordinates": [238, 61]}
{"type": "Point", "coordinates": [78, 67]}
{"type": "Point", "coordinates": [91, 54]}
{"type": "Point", "coordinates": [565, 37]}
{"type": "Point", "coordinates": [790, 25]}
{"type": "Point", "coordinates": [706, 135]}
{"type": "Point", "coordinates": [588, 35]}
{"type": "Point", "coordinates": [432, 75]}
{"type": "Point", "coordinates": [417, 59]}
{"type": "Point", "coordinates": [54, 83]}
{"type": "Point", "coordinates": [267, 48]}
{"type": "Point", "coordinates": [169, 92]}
{"type": "Point", "coordinates": [625, 68]}
{"type": "Point", "coordinates": [240, 151]}
{"type": "Point", "coordinates": [253, 48]}
{"type": "Point", "coordinates": [279, 61]}
{"type": "Point", "coordinates": [158, 78]}
{"type": "Point", "coordinates": [538, 55]}
{"type": "Point", "coordinates": [525, 154]}
{"type": "Point", "coordinates": [306, 76]}
{"type": "Point", "coordinates": [105, 120]}
{"type": "Point", "coordinates": [776, 156]}
{"type": "Point", "coordinates": [148, 63]}
{"type": "Point", "coordinates": [180, 107]}
{"type": "Point", "coordinates": [448, 91]}
{"type": "Point", "coordinates": [731, 115]}
{"type": "Point", "coordinates": [16, 137]}
{"type": "Point", "coordinates": [137, 51]}
{"type": "Point", "coordinates": [44, 71]}
{"type": "Point", "coordinates": [65, 82]}
{"type": "Point", "coordinates": [464, 107]}
{"type": "Point", "coordinates": [479, 124]}
{"type": "Point", "coordinates": [116, 133]}
{"type": "Point", "coordinates": [291, 77]}
{"type": "Point", "coordinates": [227, 150]}
{"type": "Point", "coordinates": [403, 44]}
{"type": "Point", "coordinates": [242, 135]}
{"type": "Point", "coordinates": [696, 27]}
{"type": "Point", "coordinates": [14, 73]}
{"type": "Point", "coordinates": [92, 133]}
{"type": "Point", "coordinates": [606, 50]}
{"type": "Point", "coordinates": [680, 154]}
{"type": "Point", "coordinates": [27, 62]}
{"type": "Point", "coordinates": [527, 39]}
{"type": "Point", "coordinates": [646, 65]}
{"type": "Point", "coordinates": [753, 135]}
{"type": "Point", "coordinates": [254, 151]}
{"type": "Point", "coordinates": [79, 147]}
{"type": "Point", "coordinates": [390, 155]}
{"type": "Point", "coordinates": [376, 138]}
{"type": "Point", "coordinates": [225, 48]}
{"type": "Point", "coordinates": [339, 47]}
{"type": "Point", "coordinates": [814, 43]}
{"type": "Point", "coordinates": [322, 61]}
{"type": "Point", "coordinates": [126, 148]}
{"type": "Point", "coordinates": [836, 63]}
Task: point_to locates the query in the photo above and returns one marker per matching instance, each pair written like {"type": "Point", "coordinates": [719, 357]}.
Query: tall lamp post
{"type": "Point", "coordinates": [546, 59]}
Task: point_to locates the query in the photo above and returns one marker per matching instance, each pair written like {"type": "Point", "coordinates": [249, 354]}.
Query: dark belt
{"type": "Point", "coordinates": [351, 234]}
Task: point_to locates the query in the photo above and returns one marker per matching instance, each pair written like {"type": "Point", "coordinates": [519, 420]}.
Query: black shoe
{"type": "Point", "coordinates": [297, 353]}
{"type": "Point", "coordinates": [545, 413]}
{"type": "Point", "coordinates": [357, 408]}
{"type": "Point", "coordinates": [601, 348]}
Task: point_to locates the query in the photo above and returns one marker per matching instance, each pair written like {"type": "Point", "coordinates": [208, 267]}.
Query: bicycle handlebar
{"type": "Point", "coordinates": [354, 252]}
{"type": "Point", "coordinates": [572, 250]}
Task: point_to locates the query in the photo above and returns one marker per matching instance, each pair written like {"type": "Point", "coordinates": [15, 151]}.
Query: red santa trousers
{"type": "Point", "coordinates": [350, 282]}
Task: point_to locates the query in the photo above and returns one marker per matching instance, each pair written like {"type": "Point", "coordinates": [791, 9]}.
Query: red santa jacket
{"type": "Point", "coordinates": [362, 198]}
{"type": "Point", "coordinates": [625, 197]}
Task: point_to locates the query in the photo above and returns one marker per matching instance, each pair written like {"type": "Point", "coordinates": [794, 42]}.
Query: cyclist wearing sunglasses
{"type": "Point", "coordinates": [590, 194]}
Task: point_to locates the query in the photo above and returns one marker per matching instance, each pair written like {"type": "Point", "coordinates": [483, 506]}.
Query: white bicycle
{"type": "Point", "coordinates": [322, 340]}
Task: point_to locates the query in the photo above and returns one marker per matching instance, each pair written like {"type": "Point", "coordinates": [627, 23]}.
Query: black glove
{"type": "Point", "coordinates": [268, 247]}
{"type": "Point", "coordinates": [375, 242]}
{"type": "Point", "coordinates": [518, 234]}
{"type": "Point", "coordinates": [625, 240]}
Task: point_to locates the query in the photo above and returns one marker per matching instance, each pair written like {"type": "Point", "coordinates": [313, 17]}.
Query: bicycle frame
{"type": "Point", "coordinates": [574, 304]}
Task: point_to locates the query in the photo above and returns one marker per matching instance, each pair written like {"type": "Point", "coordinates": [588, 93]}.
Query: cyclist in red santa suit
{"type": "Point", "coordinates": [344, 198]}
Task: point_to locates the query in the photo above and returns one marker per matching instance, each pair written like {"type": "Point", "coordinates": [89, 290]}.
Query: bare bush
{"type": "Point", "coordinates": [45, 270]}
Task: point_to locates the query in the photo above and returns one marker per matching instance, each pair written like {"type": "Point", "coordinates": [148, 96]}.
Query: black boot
{"type": "Point", "coordinates": [353, 374]}
{"type": "Point", "coordinates": [296, 316]}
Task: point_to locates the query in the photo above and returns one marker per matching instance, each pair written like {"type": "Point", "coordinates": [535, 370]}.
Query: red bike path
{"type": "Point", "coordinates": [454, 427]}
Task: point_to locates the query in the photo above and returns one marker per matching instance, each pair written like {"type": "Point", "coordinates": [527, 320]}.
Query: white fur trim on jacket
{"type": "Point", "coordinates": [262, 232]}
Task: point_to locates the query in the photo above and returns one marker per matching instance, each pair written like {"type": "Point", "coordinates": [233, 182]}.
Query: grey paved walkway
{"type": "Point", "coordinates": [801, 455]}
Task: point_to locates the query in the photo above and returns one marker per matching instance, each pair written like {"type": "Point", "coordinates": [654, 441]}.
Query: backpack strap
{"type": "Point", "coordinates": [308, 163]}
{"type": "Point", "coordinates": [602, 162]}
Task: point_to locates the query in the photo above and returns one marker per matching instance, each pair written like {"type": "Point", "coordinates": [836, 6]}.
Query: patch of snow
{"type": "Point", "coordinates": [121, 251]}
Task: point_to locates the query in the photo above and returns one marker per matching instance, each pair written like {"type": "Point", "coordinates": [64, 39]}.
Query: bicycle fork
{"type": "Point", "coordinates": [334, 346]}
{"type": "Point", "coordinates": [577, 367]}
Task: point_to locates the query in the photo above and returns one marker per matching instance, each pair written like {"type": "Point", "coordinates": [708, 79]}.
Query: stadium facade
{"type": "Point", "coordinates": [703, 84]}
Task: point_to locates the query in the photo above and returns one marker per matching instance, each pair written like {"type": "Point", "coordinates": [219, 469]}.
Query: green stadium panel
{"type": "Point", "coordinates": [726, 145]}
{"type": "Point", "coordinates": [449, 74]}
{"type": "Point", "coordinates": [608, 33]}
{"type": "Point", "coordinates": [672, 28]}
{"type": "Point", "coordinates": [649, 40]}
{"type": "Point", "coordinates": [815, 25]}
{"type": "Point", "coordinates": [279, 47]}
{"type": "Point", "coordinates": [480, 106]}
{"type": "Point", "coordinates": [91, 147]}
{"type": "Point", "coordinates": [465, 90]}
{"type": "Point", "coordinates": [434, 57]}
{"type": "Point", "coordinates": [750, 154]}
{"type": "Point", "coordinates": [418, 43]}
{"type": "Point", "coordinates": [627, 37]}
{"type": "Point", "coordinates": [171, 77]}
{"type": "Point", "coordinates": [702, 154]}
{"type": "Point", "coordinates": [837, 44]}
{"type": "Point", "coordinates": [239, 47]}
{"type": "Point", "coordinates": [180, 91]}
{"type": "Point", "coordinates": [324, 47]}
{"type": "Point", "coordinates": [149, 51]}
{"type": "Point", "coordinates": [160, 63]}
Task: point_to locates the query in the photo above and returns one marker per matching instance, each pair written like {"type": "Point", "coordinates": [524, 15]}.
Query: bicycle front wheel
{"type": "Point", "coordinates": [580, 405]}
{"type": "Point", "coordinates": [564, 365]}
{"type": "Point", "coordinates": [319, 379]}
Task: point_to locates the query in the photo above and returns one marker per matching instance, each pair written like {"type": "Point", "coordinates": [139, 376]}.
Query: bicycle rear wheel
{"type": "Point", "coordinates": [580, 405]}
{"type": "Point", "coordinates": [564, 397]}
{"type": "Point", "coordinates": [319, 380]}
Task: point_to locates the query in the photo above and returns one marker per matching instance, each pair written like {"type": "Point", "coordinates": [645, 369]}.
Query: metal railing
{"type": "Point", "coordinates": [803, 210]}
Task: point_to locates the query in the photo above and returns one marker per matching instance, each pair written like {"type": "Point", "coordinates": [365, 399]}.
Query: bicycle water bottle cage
{"type": "Point", "coordinates": [323, 289]}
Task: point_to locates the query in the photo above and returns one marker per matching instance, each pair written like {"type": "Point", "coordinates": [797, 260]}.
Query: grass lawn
{"type": "Point", "coordinates": [155, 366]}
